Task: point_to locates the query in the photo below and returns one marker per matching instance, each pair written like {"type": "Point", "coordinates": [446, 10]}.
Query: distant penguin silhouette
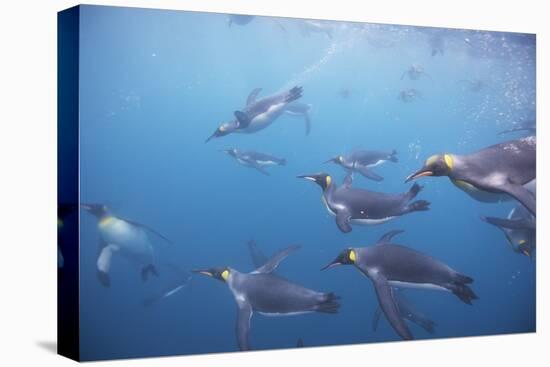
{"type": "Point", "coordinates": [263, 292]}
{"type": "Point", "coordinates": [239, 19]}
{"type": "Point", "coordinates": [409, 95]}
{"type": "Point", "coordinates": [491, 174]}
{"type": "Point", "coordinates": [256, 160]}
{"type": "Point", "coordinates": [261, 113]}
{"type": "Point", "coordinates": [388, 265]}
{"type": "Point", "coordinates": [63, 210]}
{"type": "Point", "coordinates": [415, 72]}
{"type": "Point", "coordinates": [357, 206]}
{"type": "Point", "coordinates": [124, 237]}
{"type": "Point", "coordinates": [362, 161]}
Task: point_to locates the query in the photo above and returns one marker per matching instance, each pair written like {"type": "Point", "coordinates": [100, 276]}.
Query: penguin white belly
{"type": "Point", "coordinates": [379, 162]}
{"type": "Point", "coordinates": [266, 163]}
{"type": "Point", "coordinates": [278, 314]}
{"type": "Point", "coordinates": [264, 119]}
{"type": "Point", "coordinates": [480, 195]}
{"type": "Point", "coordinates": [370, 222]}
{"type": "Point", "coordinates": [430, 286]}
{"type": "Point", "coordinates": [130, 240]}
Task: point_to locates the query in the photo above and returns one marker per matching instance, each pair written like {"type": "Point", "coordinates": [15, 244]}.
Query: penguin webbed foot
{"type": "Point", "coordinates": [330, 304]}
{"type": "Point", "coordinates": [461, 289]}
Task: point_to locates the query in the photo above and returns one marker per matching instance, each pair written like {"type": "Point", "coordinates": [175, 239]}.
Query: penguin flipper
{"type": "Point", "coordinates": [257, 256]}
{"type": "Point", "coordinates": [348, 180]}
{"type": "Point", "coordinates": [343, 217]}
{"type": "Point", "coordinates": [367, 173]}
{"type": "Point", "coordinates": [388, 305]}
{"type": "Point", "coordinates": [260, 169]}
{"type": "Point", "coordinates": [242, 118]}
{"type": "Point", "coordinates": [276, 259]}
{"type": "Point", "coordinates": [521, 194]}
{"type": "Point", "coordinates": [141, 225]}
{"type": "Point", "coordinates": [243, 325]}
{"type": "Point", "coordinates": [387, 237]}
{"type": "Point", "coordinates": [104, 264]}
{"type": "Point", "coordinates": [376, 318]}
{"type": "Point", "coordinates": [252, 96]}
{"type": "Point", "coordinates": [510, 223]}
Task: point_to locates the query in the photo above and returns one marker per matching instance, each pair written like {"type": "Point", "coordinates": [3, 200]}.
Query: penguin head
{"type": "Point", "coordinates": [222, 130]}
{"type": "Point", "coordinates": [322, 179]}
{"type": "Point", "coordinates": [97, 210]}
{"type": "Point", "coordinates": [232, 152]}
{"type": "Point", "coordinates": [346, 257]}
{"type": "Point", "coordinates": [436, 165]}
{"type": "Point", "coordinates": [338, 160]}
{"type": "Point", "coordinates": [220, 273]}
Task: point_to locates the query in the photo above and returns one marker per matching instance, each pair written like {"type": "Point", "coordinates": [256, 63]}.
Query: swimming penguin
{"type": "Point", "coordinates": [358, 206]}
{"type": "Point", "coordinates": [259, 114]}
{"type": "Point", "coordinates": [528, 126]}
{"type": "Point", "coordinates": [415, 72]}
{"type": "Point", "coordinates": [409, 95]}
{"type": "Point", "coordinates": [262, 292]}
{"type": "Point", "coordinates": [125, 237]}
{"type": "Point", "coordinates": [362, 160]}
{"type": "Point", "coordinates": [388, 265]}
{"type": "Point", "coordinates": [239, 19]}
{"type": "Point", "coordinates": [255, 160]}
{"type": "Point", "coordinates": [63, 210]}
{"type": "Point", "coordinates": [519, 228]}
{"type": "Point", "coordinates": [491, 174]}
{"type": "Point", "coordinates": [407, 312]}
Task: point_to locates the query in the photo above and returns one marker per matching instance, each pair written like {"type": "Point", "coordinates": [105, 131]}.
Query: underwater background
{"type": "Point", "coordinates": [155, 84]}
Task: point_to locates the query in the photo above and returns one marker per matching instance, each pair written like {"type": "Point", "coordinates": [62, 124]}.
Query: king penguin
{"type": "Point", "coordinates": [255, 159]}
{"type": "Point", "coordinates": [363, 160]}
{"type": "Point", "coordinates": [358, 206]}
{"type": "Point", "coordinates": [125, 237]}
{"type": "Point", "coordinates": [263, 292]}
{"type": "Point", "coordinates": [491, 174]}
{"type": "Point", "coordinates": [519, 228]}
{"type": "Point", "coordinates": [260, 113]}
{"type": "Point", "coordinates": [388, 265]}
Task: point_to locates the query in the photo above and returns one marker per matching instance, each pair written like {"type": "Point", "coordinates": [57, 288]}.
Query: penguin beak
{"type": "Point", "coordinates": [420, 173]}
{"type": "Point", "coordinates": [332, 160]}
{"type": "Point", "coordinates": [308, 177]}
{"type": "Point", "coordinates": [334, 263]}
{"type": "Point", "coordinates": [207, 272]}
{"type": "Point", "coordinates": [211, 137]}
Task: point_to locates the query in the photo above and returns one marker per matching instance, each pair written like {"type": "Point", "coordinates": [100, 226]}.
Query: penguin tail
{"type": "Point", "coordinates": [148, 269]}
{"type": "Point", "coordinates": [329, 304]}
{"type": "Point", "coordinates": [393, 156]}
{"type": "Point", "coordinates": [293, 94]}
{"type": "Point", "coordinates": [418, 206]}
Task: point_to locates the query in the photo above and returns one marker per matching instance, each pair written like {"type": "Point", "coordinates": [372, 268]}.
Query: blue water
{"type": "Point", "coordinates": [155, 84]}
